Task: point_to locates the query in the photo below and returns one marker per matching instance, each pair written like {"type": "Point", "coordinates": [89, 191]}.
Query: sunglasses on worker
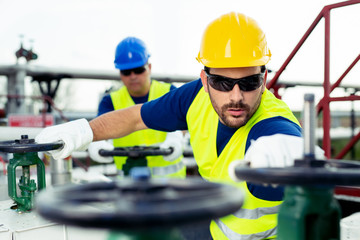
{"type": "Point", "coordinates": [226, 84]}
{"type": "Point", "coordinates": [138, 70]}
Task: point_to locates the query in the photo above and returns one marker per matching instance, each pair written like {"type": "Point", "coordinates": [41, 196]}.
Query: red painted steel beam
{"type": "Point", "coordinates": [274, 80]}
{"type": "Point", "coordinates": [327, 8]}
{"type": "Point", "coordinates": [326, 99]}
{"type": "Point", "coordinates": [341, 4]}
{"type": "Point", "coordinates": [348, 146]}
{"type": "Point", "coordinates": [337, 83]}
{"type": "Point", "coordinates": [347, 98]}
{"type": "Point", "coordinates": [349, 191]}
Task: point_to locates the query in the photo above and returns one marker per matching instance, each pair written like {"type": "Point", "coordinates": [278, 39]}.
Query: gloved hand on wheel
{"type": "Point", "coordinates": [94, 148]}
{"type": "Point", "coordinates": [275, 151]}
{"type": "Point", "coordinates": [76, 135]}
{"type": "Point", "coordinates": [173, 140]}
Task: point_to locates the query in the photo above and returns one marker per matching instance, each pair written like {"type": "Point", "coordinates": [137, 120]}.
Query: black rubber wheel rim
{"type": "Point", "coordinates": [131, 204]}
{"type": "Point", "coordinates": [330, 172]}
{"type": "Point", "coordinates": [30, 146]}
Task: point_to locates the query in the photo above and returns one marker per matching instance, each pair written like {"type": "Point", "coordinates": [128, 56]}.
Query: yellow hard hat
{"type": "Point", "coordinates": [233, 40]}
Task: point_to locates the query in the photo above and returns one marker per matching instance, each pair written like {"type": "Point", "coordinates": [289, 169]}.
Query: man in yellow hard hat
{"type": "Point", "coordinates": [225, 112]}
{"type": "Point", "coordinates": [132, 60]}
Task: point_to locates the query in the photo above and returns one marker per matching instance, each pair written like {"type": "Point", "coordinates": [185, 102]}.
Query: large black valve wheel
{"type": "Point", "coordinates": [314, 172]}
{"type": "Point", "coordinates": [136, 151]}
{"type": "Point", "coordinates": [145, 204]}
{"type": "Point", "coordinates": [25, 145]}
{"type": "Point", "coordinates": [136, 156]}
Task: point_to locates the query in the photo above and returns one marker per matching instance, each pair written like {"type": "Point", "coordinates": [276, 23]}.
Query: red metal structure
{"type": "Point", "coordinates": [45, 99]}
{"type": "Point", "coordinates": [324, 104]}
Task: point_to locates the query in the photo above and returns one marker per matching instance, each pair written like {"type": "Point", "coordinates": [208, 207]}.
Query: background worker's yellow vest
{"type": "Point", "coordinates": [160, 167]}
{"type": "Point", "coordinates": [257, 219]}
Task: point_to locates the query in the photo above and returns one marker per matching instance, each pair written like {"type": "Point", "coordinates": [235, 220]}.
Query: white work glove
{"type": "Point", "coordinates": [277, 150]}
{"type": "Point", "coordinates": [94, 148]}
{"type": "Point", "coordinates": [273, 151]}
{"type": "Point", "coordinates": [173, 140]}
{"type": "Point", "coordinates": [76, 135]}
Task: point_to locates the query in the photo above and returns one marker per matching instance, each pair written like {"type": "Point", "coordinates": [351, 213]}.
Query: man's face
{"type": "Point", "coordinates": [138, 85]}
{"type": "Point", "coordinates": [234, 107]}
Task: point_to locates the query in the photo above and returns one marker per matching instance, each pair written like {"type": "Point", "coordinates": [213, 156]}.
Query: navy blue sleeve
{"type": "Point", "coordinates": [272, 126]}
{"type": "Point", "coordinates": [105, 105]}
{"type": "Point", "coordinates": [269, 127]}
{"type": "Point", "coordinates": [172, 87]}
{"type": "Point", "coordinates": [168, 113]}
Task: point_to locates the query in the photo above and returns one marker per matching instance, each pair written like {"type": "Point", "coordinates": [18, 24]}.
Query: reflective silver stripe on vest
{"type": "Point", "coordinates": [230, 234]}
{"type": "Point", "coordinates": [162, 171]}
{"type": "Point", "coordinates": [256, 213]}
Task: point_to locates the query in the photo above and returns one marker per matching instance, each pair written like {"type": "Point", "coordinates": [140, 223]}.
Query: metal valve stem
{"type": "Point", "coordinates": [309, 127]}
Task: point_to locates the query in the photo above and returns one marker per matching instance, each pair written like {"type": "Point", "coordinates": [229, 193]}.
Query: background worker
{"type": "Point", "coordinates": [132, 59]}
{"type": "Point", "coordinates": [226, 112]}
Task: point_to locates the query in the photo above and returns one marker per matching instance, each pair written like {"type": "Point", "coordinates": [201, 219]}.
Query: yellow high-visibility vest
{"type": "Point", "coordinates": [257, 219]}
{"type": "Point", "coordinates": [159, 167]}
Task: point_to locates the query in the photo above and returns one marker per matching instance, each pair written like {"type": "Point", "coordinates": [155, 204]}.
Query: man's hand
{"type": "Point", "coordinates": [94, 148]}
{"type": "Point", "coordinates": [277, 150]}
{"type": "Point", "coordinates": [173, 140]}
{"type": "Point", "coordinates": [76, 135]}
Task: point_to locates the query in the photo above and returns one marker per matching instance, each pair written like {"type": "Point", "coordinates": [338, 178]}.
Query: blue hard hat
{"type": "Point", "coordinates": [131, 53]}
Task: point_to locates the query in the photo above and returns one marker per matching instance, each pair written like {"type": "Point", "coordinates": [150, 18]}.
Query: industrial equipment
{"type": "Point", "coordinates": [136, 156]}
{"type": "Point", "coordinates": [309, 210]}
{"type": "Point", "coordinates": [25, 154]}
{"type": "Point", "coordinates": [139, 207]}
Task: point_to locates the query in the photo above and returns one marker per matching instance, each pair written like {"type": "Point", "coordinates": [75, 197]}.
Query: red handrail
{"type": "Point", "coordinates": [324, 103]}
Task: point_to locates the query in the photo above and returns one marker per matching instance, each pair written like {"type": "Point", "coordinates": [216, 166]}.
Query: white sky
{"type": "Point", "coordinates": [83, 34]}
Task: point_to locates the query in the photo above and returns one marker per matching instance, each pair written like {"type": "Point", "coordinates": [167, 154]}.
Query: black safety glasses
{"type": "Point", "coordinates": [138, 70]}
{"type": "Point", "coordinates": [226, 84]}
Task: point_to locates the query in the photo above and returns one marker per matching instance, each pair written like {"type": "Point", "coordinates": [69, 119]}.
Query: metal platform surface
{"type": "Point", "coordinates": [29, 225]}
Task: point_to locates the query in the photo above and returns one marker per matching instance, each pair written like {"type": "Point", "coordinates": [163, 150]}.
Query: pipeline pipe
{"type": "Point", "coordinates": [11, 133]}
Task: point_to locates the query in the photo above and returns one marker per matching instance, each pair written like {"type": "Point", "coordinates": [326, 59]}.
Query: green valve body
{"type": "Point", "coordinates": [27, 186]}
{"type": "Point", "coordinates": [132, 162]}
{"type": "Point", "coordinates": [150, 234]}
{"type": "Point", "coordinates": [309, 213]}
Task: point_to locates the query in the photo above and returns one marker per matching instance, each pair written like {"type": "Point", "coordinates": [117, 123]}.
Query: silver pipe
{"type": "Point", "coordinates": [309, 126]}
{"type": "Point", "coordinates": [61, 171]}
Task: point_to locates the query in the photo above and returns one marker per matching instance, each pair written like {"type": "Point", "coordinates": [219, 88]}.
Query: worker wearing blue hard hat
{"type": "Point", "coordinates": [132, 59]}
{"type": "Point", "coordinates": [131, 53]}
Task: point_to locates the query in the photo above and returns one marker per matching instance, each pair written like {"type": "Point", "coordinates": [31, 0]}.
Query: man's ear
{"type": "Point", "coordinates": [264, 83]}
{"type": "Point", "coordinates": [204, 80]}
{"type": "Point", "coordinates": [265, 76]}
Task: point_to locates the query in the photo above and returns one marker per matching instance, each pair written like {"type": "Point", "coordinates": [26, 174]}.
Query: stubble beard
{"type": "Point", "coordinates": [235, 121]}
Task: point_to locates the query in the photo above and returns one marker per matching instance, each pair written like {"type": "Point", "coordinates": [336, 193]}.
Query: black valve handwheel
{"type": "Point", "coordinates": [137, 151]}
{"type": "Point", "coordinates": [132, 204]}
{"type": "Point", "coordinates": [325, 172]}
{"type": "Point", "coordinates": [25, 145]}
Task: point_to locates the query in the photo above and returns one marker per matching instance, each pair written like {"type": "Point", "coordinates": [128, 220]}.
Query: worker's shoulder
{"type": "Point", "coordinates": [186, 91]}
{"type": "Point", "coordinates": [276, 125]}
{"type": "Point", "coordinates": [189, 90]}
{"type": "Point", "coordinates": [106, 97]}
{"type": "Point", "coordinates": [192, 86]}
